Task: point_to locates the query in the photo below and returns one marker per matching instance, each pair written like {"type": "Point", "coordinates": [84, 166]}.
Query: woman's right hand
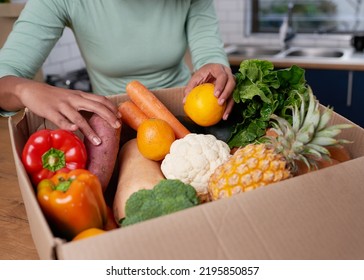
{"type": "Point", "coordinates": [64, 107]}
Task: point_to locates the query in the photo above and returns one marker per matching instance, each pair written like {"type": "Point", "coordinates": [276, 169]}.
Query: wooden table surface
{"type": "Point", "coordinates": [15, 238]}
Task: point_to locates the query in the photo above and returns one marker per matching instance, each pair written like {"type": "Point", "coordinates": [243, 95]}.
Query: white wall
{"type": "Point", "coordinates": [231, 19]}
{"type": "Point", "coordinates": [66, 56]}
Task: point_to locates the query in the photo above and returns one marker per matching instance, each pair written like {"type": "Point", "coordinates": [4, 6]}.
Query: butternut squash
{"type": "Point", "coordinates": [135, 173]}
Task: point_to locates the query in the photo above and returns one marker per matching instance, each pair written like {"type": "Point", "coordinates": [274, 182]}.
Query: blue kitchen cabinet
{"type": "Point", "coordinates": [356, 112]}
{"type": "Point", "coordinates": [341, 89]}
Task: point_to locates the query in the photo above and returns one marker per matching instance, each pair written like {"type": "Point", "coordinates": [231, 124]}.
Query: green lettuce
{"type": "Point", "coordinates": [260, 91]}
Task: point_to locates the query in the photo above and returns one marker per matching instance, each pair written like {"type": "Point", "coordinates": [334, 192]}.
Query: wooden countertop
{"type": "Point", "coordinates": [16, 242]}
{"type": "Point", "coordinates": [10, 10]}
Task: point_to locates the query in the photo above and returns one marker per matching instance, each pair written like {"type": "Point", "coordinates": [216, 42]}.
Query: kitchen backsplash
{"type": "Point", "coordinates": [66, 57]}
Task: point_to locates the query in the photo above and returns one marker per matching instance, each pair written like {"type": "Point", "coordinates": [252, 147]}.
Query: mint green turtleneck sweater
{"type": "Point", "coordinates": [120, 40]}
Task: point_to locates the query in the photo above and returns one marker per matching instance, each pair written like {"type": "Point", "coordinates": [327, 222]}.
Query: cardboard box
{"type": "Point", "coordinates": [314, 216]}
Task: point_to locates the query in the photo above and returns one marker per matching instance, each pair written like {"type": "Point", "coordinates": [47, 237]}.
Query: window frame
{"type": "Point", "coordinates": [343, 39]}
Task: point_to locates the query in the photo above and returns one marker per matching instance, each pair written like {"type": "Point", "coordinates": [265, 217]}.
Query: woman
{"type": "Point", "coordinates": [120, 41]}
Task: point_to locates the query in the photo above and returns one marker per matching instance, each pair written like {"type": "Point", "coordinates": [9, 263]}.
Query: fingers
{"type": "Point", "coordinates": [84, 127]}
{"type": "Point", "coordinates": [223, 79]}
{"type": "Point", "coordinates": [72, 120]}
{"type": "Point", "coordinates": [99, 105]}
{"type": "Point", "coordinates": [65, 107]}
{"type": "Point", "coordinates": [224, 85]}
{"type": "Point", "coordinates": [194, 81]}
{"type": "Point", "coordinates": [229, 106]}
{"type": "Point", "coordinates": [94, 104]}
{"type": "Point", "coordinates": [205, 74]}
{"type": "Point", "coordinates": [61, 121]}
{"type": "Point", "coordinates": [101, 100]}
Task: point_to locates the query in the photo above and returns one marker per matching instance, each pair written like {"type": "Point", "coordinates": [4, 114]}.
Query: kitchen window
{"type": "Point", "coordinates": [307, 16]}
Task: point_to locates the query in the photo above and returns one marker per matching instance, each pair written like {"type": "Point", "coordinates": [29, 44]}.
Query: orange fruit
{"type": "Point", "coordinates": [88, 233]}
{"type": "Point", "coordinates": [202, 106]}
{"type": "Point", "coordinates": [154, 138]}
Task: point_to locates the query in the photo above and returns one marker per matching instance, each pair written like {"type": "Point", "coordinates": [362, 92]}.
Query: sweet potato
{"type": "Point", "coordinates": [102, 158]}
{"type": "Point", "coordinates": [135, 173]}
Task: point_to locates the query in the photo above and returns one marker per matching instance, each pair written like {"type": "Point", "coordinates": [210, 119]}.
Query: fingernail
{"type": "Point", "coordinates": [73, 127]}
{"type": "Point", "coordinates": [117, 124]}
{"type": "Point", "coordinates": [96, 140]}
{"type": "Point", "coordinates": [225, 116]}
{"type": "Point", "coordinates": [118, 115]}
{"type": "Point", "coordinates": [217, 93]}
{"type": "Point", "coordinates": [221, 101]}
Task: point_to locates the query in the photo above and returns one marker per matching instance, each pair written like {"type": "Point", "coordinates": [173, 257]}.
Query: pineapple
{"type": "Point", "coordinates": [276, 158]}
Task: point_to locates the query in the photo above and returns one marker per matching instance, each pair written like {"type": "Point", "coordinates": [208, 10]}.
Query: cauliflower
{"type": "Point", "coordinates": [193, 159]}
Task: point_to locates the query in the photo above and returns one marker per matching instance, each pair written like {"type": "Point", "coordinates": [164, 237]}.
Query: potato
{"type": "Point", "coordinates": [102, 158]}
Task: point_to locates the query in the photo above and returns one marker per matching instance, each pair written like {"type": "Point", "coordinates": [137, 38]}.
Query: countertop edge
{"type": "Point", "coordinates": [328, 64]}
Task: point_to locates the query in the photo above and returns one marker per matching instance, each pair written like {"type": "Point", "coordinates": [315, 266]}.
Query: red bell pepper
{"type": "Point", "coordinates": [50, 151]}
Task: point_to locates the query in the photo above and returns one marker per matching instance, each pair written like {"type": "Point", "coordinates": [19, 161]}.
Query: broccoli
{"type": "Point", "coordinates": [166, 197]}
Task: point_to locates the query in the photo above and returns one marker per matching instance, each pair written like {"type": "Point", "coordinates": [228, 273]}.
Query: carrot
{"type": "Point", "coordinates": [131, 114]}
{"type": "Point", "coordinates": [153, 107]}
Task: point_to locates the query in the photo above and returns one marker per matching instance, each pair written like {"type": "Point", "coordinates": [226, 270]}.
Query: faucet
{"type": "Point", "coordinates": [286, 30]}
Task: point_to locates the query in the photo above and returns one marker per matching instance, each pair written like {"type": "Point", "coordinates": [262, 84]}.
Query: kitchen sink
{"type": "Point", "coordinates": [253, 52]}
{"type": "Point", "coordinates": [314, 52]}
{"type": "Point", "coordinates": [293, 52]}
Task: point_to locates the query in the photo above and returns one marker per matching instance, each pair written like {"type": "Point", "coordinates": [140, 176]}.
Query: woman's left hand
{"type": "Point", "coordinates": [223, 79]}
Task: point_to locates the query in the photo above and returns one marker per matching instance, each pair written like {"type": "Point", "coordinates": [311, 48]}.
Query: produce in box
{"type": "Point", "coordinates": [72, 202]}
{"type": "Point", "coordinates": [257, 165]}
{"type": "Point", "coordinates": [49, 151]}
{"type": "Point", "coordinates": [166, 197]}
{"type": "Point", "coordinates": [193, 159]}
{"type": "Point", "coordinates": [261, 91]}
{"type": "Point", "coordinates": [102, 158]}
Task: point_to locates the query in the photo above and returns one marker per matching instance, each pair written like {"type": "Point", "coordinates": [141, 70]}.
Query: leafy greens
{"type": "Point", "coordinates": [261, 91]}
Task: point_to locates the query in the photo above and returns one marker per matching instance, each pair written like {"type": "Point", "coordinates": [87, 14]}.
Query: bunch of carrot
{"type": "Point", "coordinates": [143, 104]}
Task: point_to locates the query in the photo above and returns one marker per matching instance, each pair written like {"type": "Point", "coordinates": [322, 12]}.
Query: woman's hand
{"type": "Point", "coordinates": [64, 107]}
{"type": "Point", "coordinates": [224, 81]}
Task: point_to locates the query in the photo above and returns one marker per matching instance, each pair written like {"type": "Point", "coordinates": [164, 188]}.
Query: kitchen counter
{"type": "Point", "coordinates": [9, 12]}
{"type": "Point", "coordinates": [354, 62]}
{"type": "Point", "coordinates": [16, 242]}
